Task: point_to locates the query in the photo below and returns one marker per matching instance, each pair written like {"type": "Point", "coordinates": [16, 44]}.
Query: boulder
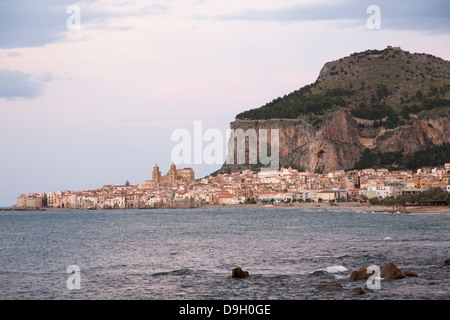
{"type": "Point", "coordinates": [360, 274]}
{"type": "Point", "coordinates": [390, 272]}
{"type": "Point", "coordinates": [239, 273]}
{"type": "Point", "coordinates": [447, 262]}
{"type": "Point", "coordinates": [358, 291]}
{"type": "Point", "coordinates": [334, 286]}
{"type": "Point", "coordinates": [410, 274]}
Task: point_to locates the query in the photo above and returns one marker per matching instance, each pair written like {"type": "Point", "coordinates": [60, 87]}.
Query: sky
{"type": "Point", "coordinates": [91, 91]}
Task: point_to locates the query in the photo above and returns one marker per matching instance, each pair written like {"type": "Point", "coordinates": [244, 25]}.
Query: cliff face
{"type": "Point", "coordinates": [332, 147]}
{"type": "Point", "coordinates": [414, 137]}
{"type": "Point", "coordinates": [385, 100]}
{"type": "Point", "coordinates": [339, 142]}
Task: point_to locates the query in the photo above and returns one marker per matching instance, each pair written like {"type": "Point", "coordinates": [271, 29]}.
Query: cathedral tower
{"type": "Point", "coordinates": [156, 175]}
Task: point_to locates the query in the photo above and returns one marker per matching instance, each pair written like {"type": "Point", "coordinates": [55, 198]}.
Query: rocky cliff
{"type": "Point", "coordinates": [388, 100]}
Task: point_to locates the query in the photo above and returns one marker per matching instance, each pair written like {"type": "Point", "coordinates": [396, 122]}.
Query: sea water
{"type": "Point", "coordinates": [189, 254]}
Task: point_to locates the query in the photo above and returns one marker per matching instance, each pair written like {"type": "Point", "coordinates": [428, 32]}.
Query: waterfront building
{"type": "Point", "coordinates": [173, 176]}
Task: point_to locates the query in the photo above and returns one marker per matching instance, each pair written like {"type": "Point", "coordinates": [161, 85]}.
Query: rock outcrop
{"type": "Point", "coordinates": [318, 129]}
{"type": "Point", "coordinates": [360, 274]}
{"type": "Point", "coordinates": [239, 273]}
{"type": "Point", "coordinates": [410, 274]}
{"type": "Point", "coordinates": [358, 291]}
{"type": "Point", "coordinates": [338, 144]}
{"type": "Point", "coordinates": [335, 146]}
{"type": "Point", "coordinates": [390, 272]}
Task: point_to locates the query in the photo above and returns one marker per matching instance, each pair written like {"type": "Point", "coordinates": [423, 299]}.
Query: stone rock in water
{"type": "Point", "coordinates": [410, 274]}
{"type": "Point", "coordinates": [358, 291]}
{"type": "Point", "coordinates": [390, 272]}
{"type": "Point", "coordinates": [239, 273]}
{"type": "Point", "coordinates": [360, 274]}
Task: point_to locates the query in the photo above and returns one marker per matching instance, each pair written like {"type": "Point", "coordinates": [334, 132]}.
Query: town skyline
{"type": "Point", "coordinates": [179, 189]}
{"type": "Point", "coordinates": [89, 101]}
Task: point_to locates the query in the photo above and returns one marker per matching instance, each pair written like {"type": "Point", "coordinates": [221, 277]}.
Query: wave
{"type": "Point", "coordinates": [325, 270]}
{"type": "Point", "coordinates": [333, 269]}
{"type": "Point", "coordinates": [218, 271]}
{"type": "Point", "coordinates": [177, 272]}
{"type": "Point", "coordinates": [332, 256]}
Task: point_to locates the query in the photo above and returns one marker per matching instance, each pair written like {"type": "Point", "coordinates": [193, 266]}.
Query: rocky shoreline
{"type": "Point", "coordinates": [305, 206]}
{"type": "Point", "coordinates": [389, 271]}
{"type": "Point", "coordinates": [340, 206]}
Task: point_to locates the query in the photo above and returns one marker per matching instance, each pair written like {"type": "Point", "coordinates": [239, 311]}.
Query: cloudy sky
{"type": "Point", "coordinates": [95, 103]}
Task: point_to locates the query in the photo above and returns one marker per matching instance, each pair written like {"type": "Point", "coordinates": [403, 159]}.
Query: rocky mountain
{"type": "Point", "coordinates": [383, 102]}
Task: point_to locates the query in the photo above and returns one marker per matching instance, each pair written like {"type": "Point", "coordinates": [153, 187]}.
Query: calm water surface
{"type": "Point", "coordinates": [189, 254]}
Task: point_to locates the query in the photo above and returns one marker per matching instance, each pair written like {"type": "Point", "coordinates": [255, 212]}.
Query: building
{"type": "Point", "coordinates": [173, 176]}
{"type": "Point", "coordinates": [31, 201]}
{"type": "Point", "coordinates": [50, 197]}
{"type": "Point", "coordinates": [381, 191]}
{"type": "Point", "coordinates": [342, 194]}
{"type": "Point", "coordinates": [411, 191]}
{"type": "Point", "coordinates": [147, 185]}
{"type": "Point", "coordinates": [371, 194]}
{"type": "Point", "coordinates": [131, 201]}
{"type": "Point", "coordinates": [57, 201]}
{"type": "Point", "coordinates": [276, 196]}
{"type": "Point", "coordinates": [227, 199]}
{"type": "Point", "coordinates": [304, 195]}
{"type": "Point", "coordinates": [323, 195]}
{"type": "Point", "coordinates": [53, 199]}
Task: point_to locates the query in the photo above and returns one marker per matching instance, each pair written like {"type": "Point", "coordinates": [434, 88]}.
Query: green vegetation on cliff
{"type": "Point", "coordinates": [432, 155]}
{"type": "Point", "coordinates": [373, 84]}
{"type": "Point", "coordinates": [294, 105]}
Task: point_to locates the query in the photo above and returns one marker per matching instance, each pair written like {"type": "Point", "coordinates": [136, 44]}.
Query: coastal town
{"type": "Point", "coordinates": [287, 186]}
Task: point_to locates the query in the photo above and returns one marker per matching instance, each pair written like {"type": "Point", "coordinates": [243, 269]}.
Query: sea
{"type": "Point", "coordinates": [165, 254]}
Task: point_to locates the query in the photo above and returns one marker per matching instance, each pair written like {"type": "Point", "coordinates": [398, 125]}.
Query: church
{"type": "Point", "coordinates": [173, 176]}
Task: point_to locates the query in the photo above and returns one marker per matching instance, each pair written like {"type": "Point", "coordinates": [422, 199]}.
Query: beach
{"type": "Point", "coordinates": [308, 206]}
{"type": "Point", "coordinates": [341, 206]}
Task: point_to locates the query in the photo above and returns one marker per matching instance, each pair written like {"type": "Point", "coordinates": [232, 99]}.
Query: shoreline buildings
{"type": "Point", "coordinates": [179, 189]}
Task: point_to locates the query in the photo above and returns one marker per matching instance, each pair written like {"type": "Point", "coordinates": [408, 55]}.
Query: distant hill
{"type": "Point", "coordinates": [384, 102]}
